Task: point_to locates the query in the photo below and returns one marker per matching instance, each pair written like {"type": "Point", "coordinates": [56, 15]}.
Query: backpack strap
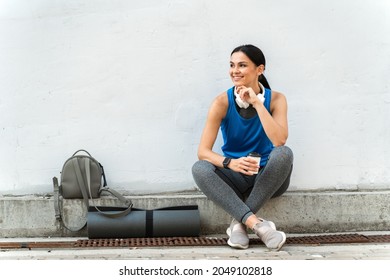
{"type": "Point", "coordinates": [104, 175]}
{"type": "Point", "coordinates": [58, 206]}
{"type": "Point", "coordinates": [56, 199]}
{"type": "Point", "coordinates": [85, 189]}
{"type": "Point", "coordinates": [80, 180]}
{"type": "Point", "coordinates": [58, 202]}
{"type": "Point", "coordinates": [121, 198]}
{"type": "Point", "coordinates": [81, 151]}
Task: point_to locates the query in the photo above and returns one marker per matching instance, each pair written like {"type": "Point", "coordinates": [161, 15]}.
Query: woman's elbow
{"type": "Point", "coordinates": [281, 141]}
{"type": "Point", "coordinates": [201, 155]}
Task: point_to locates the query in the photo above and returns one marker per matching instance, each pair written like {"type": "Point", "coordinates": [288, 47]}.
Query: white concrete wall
{"type": "Point", "coordinates": [131, 81]}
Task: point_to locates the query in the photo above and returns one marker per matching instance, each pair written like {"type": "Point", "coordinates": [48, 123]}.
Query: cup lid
{"type": "Point", "coordinates": [254, 154]}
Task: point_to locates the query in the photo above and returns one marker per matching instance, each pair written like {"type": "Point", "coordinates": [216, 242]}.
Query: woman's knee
{"type": "Point", "coordinates": [283, 154]}
{"type": "Point", "coordinates": [201, 168]}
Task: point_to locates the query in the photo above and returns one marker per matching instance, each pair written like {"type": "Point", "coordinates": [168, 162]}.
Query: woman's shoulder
{"type": "Point", "coordinates": [222, 99]}
{"type": "Point", "coordinates": [278, 99]}
{"type": "Point", "coordinates": [220, 105]}
{"type": "Point", "coordinates": [277, 96]}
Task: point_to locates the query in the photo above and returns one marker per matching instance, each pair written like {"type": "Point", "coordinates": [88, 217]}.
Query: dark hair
{"type": "Point", "coordinates": [256, 56]}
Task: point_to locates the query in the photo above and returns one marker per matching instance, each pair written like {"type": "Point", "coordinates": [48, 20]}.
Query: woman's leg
{"type": "Point", "coordinates": [218, 190]}
{"type": "Point", "coordinates": [273, 180]}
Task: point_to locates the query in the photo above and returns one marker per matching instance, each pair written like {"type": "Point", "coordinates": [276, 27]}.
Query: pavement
{"type": "Point", "coordinates": [338, 251]}
{"type": "Point", "coordinates": [324, 261]}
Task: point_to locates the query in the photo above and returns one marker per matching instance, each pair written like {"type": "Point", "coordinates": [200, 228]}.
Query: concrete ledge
{"type": "Point", "coordinates": [294, 212]}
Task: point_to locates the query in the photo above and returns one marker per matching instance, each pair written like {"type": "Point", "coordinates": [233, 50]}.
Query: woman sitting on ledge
{"type": "Point", "coordinates": [253, 119]}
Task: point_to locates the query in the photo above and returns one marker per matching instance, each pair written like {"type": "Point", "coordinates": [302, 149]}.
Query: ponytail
{"type": "Point", "coordinates": [263, 81]}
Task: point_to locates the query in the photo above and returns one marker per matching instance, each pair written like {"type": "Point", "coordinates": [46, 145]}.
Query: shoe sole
{"type": "Point", "coordinates": [235, 245]}
{"type": "Point", "coordinates": [283, 241]}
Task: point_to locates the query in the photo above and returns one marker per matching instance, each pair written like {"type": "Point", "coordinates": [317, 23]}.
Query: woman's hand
{"type": "Point", "coordinates": [247, 94]}
{"type": "Point", "coordinates": [244, 165]}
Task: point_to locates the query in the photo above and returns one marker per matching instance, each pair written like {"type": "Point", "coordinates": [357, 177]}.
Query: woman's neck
{"type": "Point", "coordinates": [257, 88]}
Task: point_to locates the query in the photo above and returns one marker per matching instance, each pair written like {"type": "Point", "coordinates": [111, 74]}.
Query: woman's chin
{"type": "Point", "coordinates": [238, 83]}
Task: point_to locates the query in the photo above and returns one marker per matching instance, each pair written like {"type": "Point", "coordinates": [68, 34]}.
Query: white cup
{"type": "Point", "coordinates": [257, 157]}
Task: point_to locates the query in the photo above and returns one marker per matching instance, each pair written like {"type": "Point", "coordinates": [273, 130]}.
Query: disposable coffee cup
{"type": "Point", "coordinates": [257, 157]}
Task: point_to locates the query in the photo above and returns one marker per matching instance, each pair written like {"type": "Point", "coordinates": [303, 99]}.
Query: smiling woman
{"type": "Point", "coordinates": [248, 55]}
{"type": "Point", "coordinates": [253, 119]}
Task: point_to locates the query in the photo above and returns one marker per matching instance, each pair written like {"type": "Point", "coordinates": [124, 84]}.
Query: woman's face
{"type": "Point", "coordinates": [243, 71]}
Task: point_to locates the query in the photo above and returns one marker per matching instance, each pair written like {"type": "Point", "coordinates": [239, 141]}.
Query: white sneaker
{"type": "Point", "coordinates": [271, 237]}
{"type": "Point", "coordinates": [271, 224]}
{"type": "Point", "coordinates": [238, 236]}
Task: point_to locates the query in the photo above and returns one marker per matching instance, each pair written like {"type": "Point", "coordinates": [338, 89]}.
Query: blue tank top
{"type": "Point", "coordinates": [242, 136]}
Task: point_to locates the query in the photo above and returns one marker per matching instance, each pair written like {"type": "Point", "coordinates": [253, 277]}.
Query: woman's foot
{"type": "Point", "coordinates": [271, 224]}
{"type": "Point", "coordinates": [267, 232]}
{"type": "Point", "coordinates": [238, 236]}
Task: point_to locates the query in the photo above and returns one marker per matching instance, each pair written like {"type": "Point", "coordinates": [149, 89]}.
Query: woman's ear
{"type": "Point", "coordinates": [260, 69]}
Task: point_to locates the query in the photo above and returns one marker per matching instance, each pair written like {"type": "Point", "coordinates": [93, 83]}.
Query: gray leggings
{"type": "Point", "coordinates": [240, 195]}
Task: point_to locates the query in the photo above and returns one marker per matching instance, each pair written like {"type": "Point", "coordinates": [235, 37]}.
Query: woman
{"type": "Point", "coordinates": [252, 118]}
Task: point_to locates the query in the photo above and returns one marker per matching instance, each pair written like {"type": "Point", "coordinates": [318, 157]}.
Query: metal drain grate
{"type": "Point", "coordinates": [379, 238]}
{"type": "Point", "coordinates": [152, 242]}
{"type": "Point", "coordinates": [328, 239]}
{"type": "Point", "coordinates": [189, 241]}
{"type": "Point", "coordinates": [207, 241]}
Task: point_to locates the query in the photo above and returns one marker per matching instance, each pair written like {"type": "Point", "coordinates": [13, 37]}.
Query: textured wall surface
{"type": "Point", "coordinates": [131, 82]}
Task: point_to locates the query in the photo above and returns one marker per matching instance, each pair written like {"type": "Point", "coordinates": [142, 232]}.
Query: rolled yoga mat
{"type": "Point", "coordinates": [178, 221]}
